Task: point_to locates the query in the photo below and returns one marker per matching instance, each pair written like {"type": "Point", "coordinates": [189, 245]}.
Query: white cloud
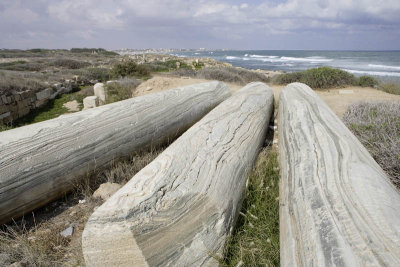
{"type": "Point", "coordinates": [218, 19]}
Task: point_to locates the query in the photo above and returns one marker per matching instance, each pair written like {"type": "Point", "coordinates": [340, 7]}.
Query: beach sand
{"type": "Point", "coordinates": [338, 99]}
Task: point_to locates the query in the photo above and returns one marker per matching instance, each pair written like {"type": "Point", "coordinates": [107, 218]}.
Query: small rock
{"type": "Point", "coordinates": [83, 201]}
{"type": "Point", "coordinates": [106, 190]}
{"type": "Point", "coordinates": [68, 232]}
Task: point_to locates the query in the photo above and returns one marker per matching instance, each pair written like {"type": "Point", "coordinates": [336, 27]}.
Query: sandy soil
{"type": "Point", "coordinates": [338, 99]}
{"type": "Point", "coordinates": [72, 106]}
{"type": "Point", "coordinates": [161, 83]}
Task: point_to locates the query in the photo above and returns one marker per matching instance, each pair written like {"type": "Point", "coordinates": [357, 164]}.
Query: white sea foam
{"type": "Point", "coordinates": [246, 55]}
{"type": "Point", "coordinates": [307, 59]}
{"type": "Point", "coordinates": [230, 57]}
{"type": "Point", "coordinates": [386, 67]}
{"type": "Point", "coordinates": [375, 73]}
{"type": "Point", "coordinates": [259, 56]}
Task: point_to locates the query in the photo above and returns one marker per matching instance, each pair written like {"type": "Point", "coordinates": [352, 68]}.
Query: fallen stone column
{"type": "Point", "coordinates": [338, 207]}
{"type": "Point", "coordinates": [179, 209]}
{"type": "Point", "coordinates": [40, 162]}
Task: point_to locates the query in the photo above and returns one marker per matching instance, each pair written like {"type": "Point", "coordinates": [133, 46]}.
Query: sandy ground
{"type": "Point", "coordinates": [338, 99]}
{"type": "Point", "coordinates": [161, 83]}
{"type": "Point", "coordinates": [72, 106]}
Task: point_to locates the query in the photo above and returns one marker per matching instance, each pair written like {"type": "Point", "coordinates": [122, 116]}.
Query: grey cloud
{"type": "Point", "coordinates": [293, 24]}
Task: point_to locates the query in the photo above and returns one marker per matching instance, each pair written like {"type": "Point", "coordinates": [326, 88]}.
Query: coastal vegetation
{"type": "Point", "coordinates": [322, 78]}
{"type": "Point", "coordinates": [225, 74]}
{"type": "Point", "coordinates": [166, 66]}
{"type": "Point", "coordinates": [377, 126]}
{"type": "Point", "coordinates": [255, 239]}
{"type": "Point", "coordinates": [121, 89]}
{"type": "Point", "coordinates": [390, 87]}
{"type": "Point", "coordinates": [129, 68]}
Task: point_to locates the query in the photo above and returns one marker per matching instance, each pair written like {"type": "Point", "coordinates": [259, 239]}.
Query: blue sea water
{"type": "Point", "coordinates": [376, 63]}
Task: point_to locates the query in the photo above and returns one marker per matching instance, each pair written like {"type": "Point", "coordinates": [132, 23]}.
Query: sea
{"type": "Point", "coordinates": [382, 64]}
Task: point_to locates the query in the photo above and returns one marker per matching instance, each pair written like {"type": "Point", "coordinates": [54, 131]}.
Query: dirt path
{"type": "Point", "coordinates": [338, 99]}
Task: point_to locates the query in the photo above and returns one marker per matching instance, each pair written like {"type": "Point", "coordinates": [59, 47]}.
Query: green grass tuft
{"type": "Point", "coordinates": [255, 239]}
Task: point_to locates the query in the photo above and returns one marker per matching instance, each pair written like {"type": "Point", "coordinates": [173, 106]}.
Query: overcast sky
{"type": "Point", "coordinates": [251, 24]}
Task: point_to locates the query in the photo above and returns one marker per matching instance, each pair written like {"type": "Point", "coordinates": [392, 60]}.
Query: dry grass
{"type": "Point", "coordinates": [377, 126]}
{"type": "Point", "coordinates": [255, 240]}
{"type": "Point", "coordinates": [19, 82]}
{"type": "Point", "coordinates": [36, 241]}
{"type": "Point", "coordinates": [390, 87]}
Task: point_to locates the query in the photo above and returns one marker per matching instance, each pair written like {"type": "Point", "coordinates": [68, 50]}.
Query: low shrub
{"type": "Point", "coordinates": [377, 126]}
{"type": "Point", "coordinates": [70, 63]}
{"type": "Point", "coordinates": [322, 77]}
{"type": "Point", "coordinates": [390, 87]}
{"type": "Point", "coordinates": [100, 51]}
{"type": "Point", "coordinates": [169, 65]}
{"type": "Point", "coordinates": [129, 68]}
{"type": "Point", "coordinates": [230, 74]}
{"type": "Point", "coordinates": [121, 89]}
{"type": "Point", "coordinates": [99, 74]}
{"type": "Point", "coordinates": [197, 65]}
{"type": "Point", "coordinates": [21, 66]}
{"type": "Point", "coordinates": [367, 81]}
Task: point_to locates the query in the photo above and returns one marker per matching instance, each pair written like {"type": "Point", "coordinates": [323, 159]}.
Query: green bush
{"type": "Point", "coordinates": [121, 89]}
{"type": "Point", "coordinates": [288, 78]}
{"type": "Point", "coordinates": [367, 81]}
{"type": "Point", "coordinates": [198, 65]}
{"type": "Point", "coordinates": [129, 68]}
{"type": "Point", "coordinates": [323, 77]}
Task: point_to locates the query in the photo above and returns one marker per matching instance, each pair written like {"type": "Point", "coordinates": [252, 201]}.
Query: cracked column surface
{"type": "Point", "coordinates": [179, 209]}
{"type": "Point", "coordinates": [42, 161]}
{"type": "Point", "coordinates": [337, 206]}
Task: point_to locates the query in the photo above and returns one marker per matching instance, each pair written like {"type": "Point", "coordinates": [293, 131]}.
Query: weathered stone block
{"type": "Point", "coordinates": [99, 91]}
{"type": "Point", "coordinates": [57, 86]}
{"type": "Point", "coordinates": [90, 102]}
{"type": "Point", "coordinates": [4, 99]}
{"type": "Point", "coordinates": [45, 94]}
{"type": "Point", "coordinates": [4, 115]}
